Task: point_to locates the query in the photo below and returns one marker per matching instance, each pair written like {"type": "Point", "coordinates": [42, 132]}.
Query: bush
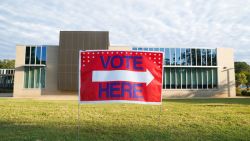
{"type": "Point", "coordinates": [238, 91]}
{"type": "Point", "coordinates": [245, 93]}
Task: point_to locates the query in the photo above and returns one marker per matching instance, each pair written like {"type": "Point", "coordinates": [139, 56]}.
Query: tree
{"type": "Point", "coordinates": [240, 79]}
{"type": "Point", "coordinates": [241, 67]}
{"type": "Point", "coordinates": [248, 79]}
{"type": "Point", "coordinates": [7, 64]}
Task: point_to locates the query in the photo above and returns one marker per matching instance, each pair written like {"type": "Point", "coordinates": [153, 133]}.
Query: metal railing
{"type": "Point", "coordinates": [6, 80]}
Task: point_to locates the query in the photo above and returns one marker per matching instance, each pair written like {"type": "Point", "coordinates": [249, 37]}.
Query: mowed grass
{"type": "Point", "coordinates": [189, 119]}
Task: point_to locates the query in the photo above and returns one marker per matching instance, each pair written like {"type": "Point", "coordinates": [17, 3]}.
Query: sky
{"type": "Point", "coordinates": [160, 23]}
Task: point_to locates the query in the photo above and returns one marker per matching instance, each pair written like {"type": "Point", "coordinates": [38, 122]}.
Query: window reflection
{"type": "Point", "coordinates": [38, 55]}
{"type": "Point", "coordinates": [183, 56]}
{"type": "Point", "coordinates": [167, 56]}
{"type": "Point", "coordinates": [214, 57]}
{"type": "Point", "coordinates": [198, 57]}
{"type": "Point", "coordinates": [33, 50]}
{"type": "Point", "coordinates": [188, 56]}
{"type": "Point", "coordinates": [178, 56]}
{"type": "Point", "coordinates": [44, 55]}
{"type": "Point", "coordinates": [193, 53]}
{"type": "Point", "coordinates": [204, 57]}
{"type": "Point", "coordinates": [27, 55]}
{"type": "Point", "coordinates": [172, 56]}
{"type": "Point", "coordinates": [209, 57]}
{"type": "Point", "coordinates": [156, 49]}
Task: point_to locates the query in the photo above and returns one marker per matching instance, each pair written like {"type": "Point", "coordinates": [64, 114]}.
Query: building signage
{"type": "Point", "coordinates": [120, 76]}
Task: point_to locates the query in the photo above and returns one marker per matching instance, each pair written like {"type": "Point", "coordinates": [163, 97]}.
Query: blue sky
{"type": "Point", "coordinates": [178, 23]}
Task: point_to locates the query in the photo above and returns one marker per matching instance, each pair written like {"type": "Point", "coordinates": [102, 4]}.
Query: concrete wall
{"type": "Point", "coordinates": [51, 79]}
{"type": "Point", "coordinates": [120, 47]}
{"type": "Point", "coordinates": [226, 75]}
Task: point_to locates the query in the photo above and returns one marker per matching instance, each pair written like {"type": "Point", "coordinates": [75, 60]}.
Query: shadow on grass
{"type": "Point", "coordinates": [242, 101]}
{"type": "Point", "coordinates": [22, 132]}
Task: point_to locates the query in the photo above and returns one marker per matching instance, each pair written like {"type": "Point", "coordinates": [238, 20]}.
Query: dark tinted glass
{"type": "Point", "coordinates": [178, 56]}
{"type": "Point", "coordinates": [198, 57]}
{"type": "Point", "coordinates": [188, 56]}
{"type": "Point", "coordinates": [183, 56]}
{"type": "Point", "coordinates": [204, 57]}
{"type": "Point", "coordinates": [209, 57]}
{"type": "Point", "coordinates": [214, 57]}
{"type": "Point", "coordinates": [172, 56]}
{"type": "Point", "coordinates": [44, 55]}
{"type": "Point", "coordinates": [193, 51]}
{"type": "Point", "coordinates": [27, 55]}
{"type": "Point", "coordinates": [33, 52]}
{"type": "Point", "coordinates": [38, 55]}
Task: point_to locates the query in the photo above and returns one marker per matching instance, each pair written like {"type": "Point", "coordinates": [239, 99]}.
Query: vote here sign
{"type": "Point", "coordinates": [120, 76]}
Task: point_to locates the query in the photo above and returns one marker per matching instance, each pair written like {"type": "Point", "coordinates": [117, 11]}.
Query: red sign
{"type": "Point", "coordinates": [120, 76]}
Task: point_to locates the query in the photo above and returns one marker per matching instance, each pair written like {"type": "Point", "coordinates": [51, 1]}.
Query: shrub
{"type": "Point", "coordinates": [245, 93]}
{"type": "Point", "coordinates": [238, 91]}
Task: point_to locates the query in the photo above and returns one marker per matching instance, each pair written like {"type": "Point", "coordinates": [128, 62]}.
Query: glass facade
{"type": "Point", "coordinates": [188, 68]}
{"type": "Point", "coordinates": [34, 71]}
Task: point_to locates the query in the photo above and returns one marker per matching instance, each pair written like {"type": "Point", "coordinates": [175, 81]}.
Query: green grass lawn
{"type": "Point", "coordinates": [190, 119]}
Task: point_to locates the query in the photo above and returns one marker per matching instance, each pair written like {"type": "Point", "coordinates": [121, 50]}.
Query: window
{"type": "Point", "coordinates": [183, 56]}
{"type": "Point", "coordinates": [156, 49]}
{"type": "Point", "coordinates": [214, 74]}
{"type": "Point", "coordinates": [167, 77]}
{"type": "Point", "coordinates": [210, 79]}
{"type": "Point", "coordinates": [214, 57]}
{"type": "Point", "coordinates": [199, 74]}
{"type": "Point", "coordinates": [173, 80]}
{"type": "Point", "coordinates": [134, 48]}
{"type": "Point", "coordinates": [167, 56]}
{"type": "Point", "coordinates": [161, 49]}
{"type": "Point", "coordinates": [44, 54]}
{"type": "Point", "coordinates": [34, 76]}
{"type": "Point", "coordinates": [38, 55]}
{"type": "Point", "coordinates": [204, 57]}
{"type": "Point", "coordinates": [172, 56]}
{"type": "Point", "coordinates": [193, 52]}
{"type": "Point", "coordinates": [198, 57]}
{"type": "Point", "coordinates": [33, 52]}
{"type": "Point", "coordinates": [194, 78]}
{"type": "Point", "coordinates": [189, 81]}
{"type": "Point", "coordinates": [178, 78]}
{"type": "Point", "coordinates": [204, 78]}
{"type": "Point", "coordinates": [183, 78]}
{"type": "Point", "coordinates": [209, 57]}
{"type": "Point", "coordinates": [189, 78]}
{"type": "Point", "coordinates": [188, 56]}
{"type": "Point", "coordinates": [35, 55]}
{"type": "Point", "coordinates": [178, 56]}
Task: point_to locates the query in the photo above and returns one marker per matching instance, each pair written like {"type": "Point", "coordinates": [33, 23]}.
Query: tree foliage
{"type": "Point", "coordinates": [7, 64]}
{"type": "Point", "coordinates": [241, 67]}
{"type": "Point", "coordinates": [241, 79]}
{"type": "Point", "coordinates": [242, 74]}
